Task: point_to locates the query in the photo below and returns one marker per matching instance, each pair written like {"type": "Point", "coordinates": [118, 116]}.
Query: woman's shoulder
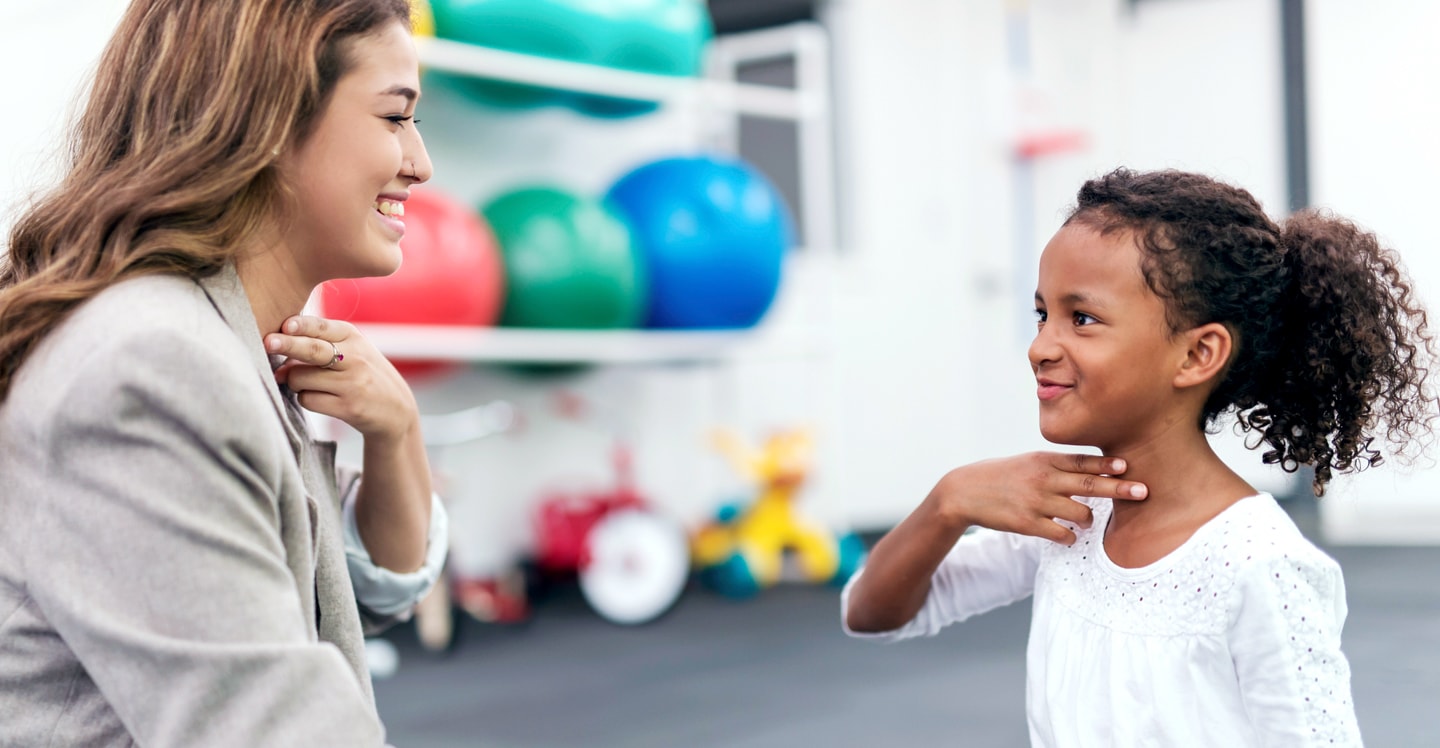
{"type": "Point", "coordinates": [146, 332]}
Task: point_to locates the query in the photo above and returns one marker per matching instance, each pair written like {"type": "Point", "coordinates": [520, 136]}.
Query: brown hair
{"type": "Point", "coordinates": [173, 159]}
{"type": "Point", "coordinates": [1331, 345]}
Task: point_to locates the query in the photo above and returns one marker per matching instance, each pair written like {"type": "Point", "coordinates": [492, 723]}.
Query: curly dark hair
{"type": "Point", "coordinates": [1331, 346]}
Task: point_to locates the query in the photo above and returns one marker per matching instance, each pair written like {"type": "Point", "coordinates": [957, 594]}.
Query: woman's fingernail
{"type": "Point", "coordinates": [1118, 466]}
{"type": "Point", "coordinates": [292, 326]}
{"type": "Point", "coordinates": [273, 344]}
{"type": "Point", "coordinates": [1137, 491]}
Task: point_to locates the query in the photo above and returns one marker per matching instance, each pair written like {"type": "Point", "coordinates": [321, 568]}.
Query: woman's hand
{"type": "Point", "coordinates": [335, 371]}
{"type": "Point", "coordinates": [1024, 494]}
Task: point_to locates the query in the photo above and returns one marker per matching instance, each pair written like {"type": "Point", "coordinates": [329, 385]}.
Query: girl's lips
{"type": "Point", "coordinates": [1047, 391]}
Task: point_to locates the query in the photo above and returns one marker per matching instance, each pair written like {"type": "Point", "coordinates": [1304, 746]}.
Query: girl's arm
{"type": "Point", "coordinates": [1285, 642]}
{"type": "Point", "coordinates": [1024, 495]}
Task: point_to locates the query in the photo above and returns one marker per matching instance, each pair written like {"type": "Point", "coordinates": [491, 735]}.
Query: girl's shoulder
{"type": "Point", "coordinates": [1194, 589]}
{"type": "Point", "coordinates": [1258, 532]}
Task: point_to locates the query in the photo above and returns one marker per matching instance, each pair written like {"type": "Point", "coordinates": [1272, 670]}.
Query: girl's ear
{"type": "Point", "coordinates": [1206, 354]}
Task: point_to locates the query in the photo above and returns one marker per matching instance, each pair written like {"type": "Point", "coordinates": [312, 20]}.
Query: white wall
{"type": "Point", "coordinates": [48, 52]}
{"type": "Point", "coordinates": [1374, 108]}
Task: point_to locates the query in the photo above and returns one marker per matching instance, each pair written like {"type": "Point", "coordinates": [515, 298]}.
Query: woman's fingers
{"type": "Point", "coordinates": [311, 340]}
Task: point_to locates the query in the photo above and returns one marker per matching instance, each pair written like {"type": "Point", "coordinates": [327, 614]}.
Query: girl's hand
{"type": "Point", "coordinates": [335, 371]}
{"type": "Point", "coordinates": [1026, 493]}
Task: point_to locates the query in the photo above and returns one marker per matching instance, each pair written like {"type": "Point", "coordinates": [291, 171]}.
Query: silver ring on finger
{"type": "Point", "coordinates": [336, 356]}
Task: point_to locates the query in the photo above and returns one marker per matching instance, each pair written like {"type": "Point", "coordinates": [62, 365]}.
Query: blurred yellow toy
{"type": "Point", "coordinates": [744, 550]}
{"type": "Point", "coordinates": [422, 19]}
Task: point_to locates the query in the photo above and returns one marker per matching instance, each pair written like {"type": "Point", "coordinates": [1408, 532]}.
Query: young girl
{"type": "Point", "coordinates": [1174, 604]}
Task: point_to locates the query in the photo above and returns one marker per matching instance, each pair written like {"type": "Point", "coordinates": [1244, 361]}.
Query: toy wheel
{"type": "Point", "coordinates": [635, 566]}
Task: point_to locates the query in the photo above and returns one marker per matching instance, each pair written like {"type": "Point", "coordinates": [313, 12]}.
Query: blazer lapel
{"type": "Point", "coordinates": [228, 295]}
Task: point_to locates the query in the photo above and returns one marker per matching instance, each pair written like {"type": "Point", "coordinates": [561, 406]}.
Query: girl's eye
{"type": "Point", "coordinates": [1082, 319]}
{"type": "Point", "coordinates": [1040, 316]}
{"type": "Point", "coordinates": [400, 119]}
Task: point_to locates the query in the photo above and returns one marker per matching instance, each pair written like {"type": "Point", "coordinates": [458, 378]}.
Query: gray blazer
{"type": "Point", "coordinates": [172, 569]}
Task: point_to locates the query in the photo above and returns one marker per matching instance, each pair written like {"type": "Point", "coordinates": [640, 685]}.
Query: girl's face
{"type": "Point", "coordinates": [353, 174]}
{"type": "Point", "coordinates": [1103, 356]}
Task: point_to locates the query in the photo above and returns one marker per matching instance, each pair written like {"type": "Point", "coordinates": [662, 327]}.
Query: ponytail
{"type": "Point", "coordinates": [1351, 357]}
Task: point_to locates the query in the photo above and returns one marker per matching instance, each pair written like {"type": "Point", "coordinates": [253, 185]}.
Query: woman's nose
{"type": "Point", "coordinates": [419, 160]}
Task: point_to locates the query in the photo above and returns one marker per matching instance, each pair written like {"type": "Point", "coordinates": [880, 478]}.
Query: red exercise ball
{"type": "Point", "coordinates": [450, 275]}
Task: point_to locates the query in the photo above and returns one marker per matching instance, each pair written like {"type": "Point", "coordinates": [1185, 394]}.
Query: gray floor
{"type": "Point", "coordinates": [776, 671]}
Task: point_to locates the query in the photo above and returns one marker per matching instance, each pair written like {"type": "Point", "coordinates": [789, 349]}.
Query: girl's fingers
{"type": "Point", "coordinates": [1087, 464]}
{"type": "Point", "coordinates": [1073, 511]}
{"type": "Point", "coordinates": [1055, 532]}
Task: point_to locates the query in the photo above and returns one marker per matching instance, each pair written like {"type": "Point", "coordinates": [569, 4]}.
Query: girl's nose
{"type": "Point", "coordinates": [1043, 348]}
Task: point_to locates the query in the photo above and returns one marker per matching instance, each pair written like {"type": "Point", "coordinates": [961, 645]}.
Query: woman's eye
{"type": "Point", "coordinates": [400, 119]}
{"type": "Point", "coordinates": [1039, 316]}
{"type": "Point", "coordinates": [1082, 319]}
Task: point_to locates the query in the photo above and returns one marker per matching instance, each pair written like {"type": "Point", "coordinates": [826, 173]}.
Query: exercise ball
{"type": "Point", "coordinates": [665, 37]}
{"type": "Point", "coordinates": [570, 261]}
{"type": "Point", "coordinates": [661, 37]}
{"type": "Point", "coordinates": [713, 233]}
{"type": "Point", "coordinates": [450, 274]}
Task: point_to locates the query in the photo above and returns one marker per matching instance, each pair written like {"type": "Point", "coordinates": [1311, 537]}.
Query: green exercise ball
{"type": "Point", "coordinates": [570, 261]}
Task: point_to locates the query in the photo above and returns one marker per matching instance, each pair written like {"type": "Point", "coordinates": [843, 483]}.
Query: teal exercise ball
{"type": "Point", "coordinates": [570, 261]}
{"type": "Point", "coordinates": [713, 232]}
{"type": "Point", "coordinates": [664, 37]}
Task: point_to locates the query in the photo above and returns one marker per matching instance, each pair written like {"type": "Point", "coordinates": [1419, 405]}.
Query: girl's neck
{"type": "Point", "coordinates": [1188, 486]}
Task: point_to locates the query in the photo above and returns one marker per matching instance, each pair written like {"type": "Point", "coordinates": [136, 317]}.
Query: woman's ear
{"type": "Point", "coordinates": [1207, 353]}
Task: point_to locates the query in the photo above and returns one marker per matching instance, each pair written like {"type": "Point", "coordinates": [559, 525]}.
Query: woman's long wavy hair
{"type": "Point", "coordinates": [1331, 345]}
{"type": "Point", "coordinates": [173, 161]}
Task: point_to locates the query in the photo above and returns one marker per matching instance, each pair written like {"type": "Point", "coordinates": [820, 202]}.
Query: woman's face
{"type": "Point", "coordinates": [353, 174]}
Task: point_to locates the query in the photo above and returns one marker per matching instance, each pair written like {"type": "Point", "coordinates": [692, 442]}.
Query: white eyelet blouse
{"type": "Point", "coordinates": [1233, 639]}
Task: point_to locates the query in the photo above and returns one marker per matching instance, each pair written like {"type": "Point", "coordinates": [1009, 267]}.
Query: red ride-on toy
{"type": "Point", "coordinates": [632, 562]}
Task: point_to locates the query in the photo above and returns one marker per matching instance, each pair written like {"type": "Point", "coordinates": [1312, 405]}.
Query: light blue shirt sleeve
{"type": "Point", "coordinates": [380, 590]}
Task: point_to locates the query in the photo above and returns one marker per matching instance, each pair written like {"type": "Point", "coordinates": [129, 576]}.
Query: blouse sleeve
{"type": "Point", "coordinates": [985, 570]}
{"type": "Point", "coordinates": [1285, 641]}
{"type": "Point", "coordinates": [387, 596]}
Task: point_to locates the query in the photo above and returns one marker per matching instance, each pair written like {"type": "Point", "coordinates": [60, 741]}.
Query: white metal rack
{"type": "Point", "coordinates": [499, 344]}
{"type": "Point", "coordinates": [723, 101]}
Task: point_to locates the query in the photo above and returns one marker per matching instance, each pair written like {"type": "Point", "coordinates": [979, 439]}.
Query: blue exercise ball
{"type": "Point", "coordinates": [713, 232]}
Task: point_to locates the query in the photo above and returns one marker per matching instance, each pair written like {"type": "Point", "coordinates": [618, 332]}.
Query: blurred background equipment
{"type": "Point", "coordinates": [659, 37]}
{"type": "Point", "coordinates": [570, 261]}
{"type": "Point", "coordinates": [747, 546]}
{"type": "Point", "coordinates": [713, 232]}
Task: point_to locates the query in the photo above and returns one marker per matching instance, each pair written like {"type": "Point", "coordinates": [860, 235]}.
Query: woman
{"type": "Point", "coordinates": [176, 554]}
